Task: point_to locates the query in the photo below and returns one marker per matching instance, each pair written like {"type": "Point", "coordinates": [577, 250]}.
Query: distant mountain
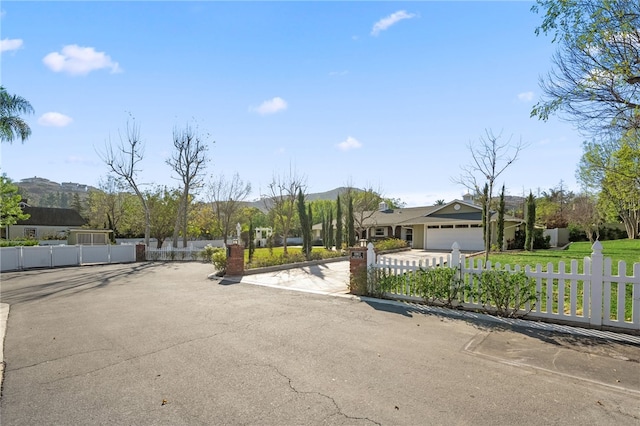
{"type": "Point", "coordinates": [41, 192]}
{"type": "Point", "coordinates": [264, 203]}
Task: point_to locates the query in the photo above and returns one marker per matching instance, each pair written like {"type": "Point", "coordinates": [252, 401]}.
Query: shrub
{"type": "Point", "coordinates": [440, 284]}
{"type": "Point", "coordinates": [508, 293]}
{"type": "Point", "coordinates": [219, 260]}
{"type": "Point", "coordinates": [206, 254]}
{"type": "Point", "coordinates": [390, 244]}
{"type": "Point", "coordinates": [15, 243]}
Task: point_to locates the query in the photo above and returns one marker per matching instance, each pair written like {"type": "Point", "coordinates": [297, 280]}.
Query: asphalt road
{"type": "Point", "coordinates": [143, 344]}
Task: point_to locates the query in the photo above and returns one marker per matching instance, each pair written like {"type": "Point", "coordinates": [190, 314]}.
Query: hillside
{"type": "Point", "coordinates": [41, 192]}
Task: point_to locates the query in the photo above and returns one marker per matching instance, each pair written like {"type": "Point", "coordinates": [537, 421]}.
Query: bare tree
{"type": "Point", "coordinates": [595, 80]}
{"type": "Point", "coordinates": [365, 204]}
{"type": "Point", "coordinates": [281, 198]}
{"type": "Point", "coordinates": [490, 158]}
{"type": "Point", "coordinates": [189, 161]}
{"type": "Point", "coordinates": [226, 199]}
{"type": "Point", "coordinates": [123, 162]}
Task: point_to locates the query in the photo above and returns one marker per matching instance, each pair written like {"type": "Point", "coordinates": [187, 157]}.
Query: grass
{"type": "Point", "coordinates": [618, 250]}
{"type": "Point", "coordinates": [626, 250]}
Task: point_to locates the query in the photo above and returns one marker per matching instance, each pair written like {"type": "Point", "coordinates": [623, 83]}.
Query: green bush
{"type": "Point", "coordinates": [206, 254]}
{"type": "Point", "coordinates": [508, 293]}
{"type": "Point", "coordinates": [440, 284]}
{"type": "Point", "coordinates": [15, 243]}
{"type": "Point", "coordinates": [219, 260]}
{"type": "Point", "coordinates": [390, 244]}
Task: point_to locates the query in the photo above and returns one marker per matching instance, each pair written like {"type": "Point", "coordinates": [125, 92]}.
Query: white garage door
{"type": "Point", "coordinates": [443, 238]}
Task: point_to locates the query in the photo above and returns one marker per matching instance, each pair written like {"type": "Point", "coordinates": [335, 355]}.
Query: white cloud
{"type": "Point", "coordinates": [271, 106]}
{"type": "Point", "coordinates": [525, 96]}
{"type": "Point", "coordinates": [77, 60]}
{"type": "Point", "coordinates": [10, 44]}
{"type": "Point", "coordinates": [54, 119]}
{"type": "Point", "coordinates": [390, 20]}
{"type": "Point", "coordinates": [349, 143]}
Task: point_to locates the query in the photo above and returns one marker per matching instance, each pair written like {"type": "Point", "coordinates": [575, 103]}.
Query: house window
{"type": "Point", "coordinates": [447, 226]}
{"type": "Point", "coordinates": [30, 232]}
{"type": "Point", "coordinates": [462, 226]}
{"type": "Point", "coordinates": [380, 232]}
{"type": "Point", "coordinates": [433, 226]}
{"type": "Point", "coordinates": [475, 225]}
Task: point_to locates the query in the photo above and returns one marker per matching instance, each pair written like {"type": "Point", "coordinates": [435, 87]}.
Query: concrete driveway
{"type": "Point", "coordinates": [142, 344]}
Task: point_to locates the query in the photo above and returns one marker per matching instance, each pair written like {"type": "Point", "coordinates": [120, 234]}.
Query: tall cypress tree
{"type": "Point", "coordinates": [351, 231]}
{"type": "Point", "coordinates": [309, 231]}
{"type": "Point", "coordinates": [531, 221]}
{"type": "Point", "coordinates": [338, 224]}
{"type": "Point", "coordinates": [501, 209]}
{"type": "Point", "coordinates": [330, 230]}
{"type": "Point", "coordinates": [302, 214]}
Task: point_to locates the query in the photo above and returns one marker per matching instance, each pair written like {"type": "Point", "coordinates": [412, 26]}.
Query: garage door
{"type": "Point", "coordinates": [443, 238]}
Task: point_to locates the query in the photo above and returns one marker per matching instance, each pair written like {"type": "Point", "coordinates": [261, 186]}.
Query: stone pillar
{"type": "Point", "coordinates": [235, 260]}
{"type": "Point", "coordinates": [141, 253]}
{"type": "Point", "coordinates": [358, 270]}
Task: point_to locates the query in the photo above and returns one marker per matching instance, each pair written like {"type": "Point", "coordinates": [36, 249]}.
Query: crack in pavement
{"type": "Point", "coordinates": [131, 358]}
{"type": "Point", "coordinates": [333, 401]}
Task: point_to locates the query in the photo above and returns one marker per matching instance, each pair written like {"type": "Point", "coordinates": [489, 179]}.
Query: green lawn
{"type": "Point", "coordinates": [617, 250]}
{"type": "Point", "coordinates": [627, 250]}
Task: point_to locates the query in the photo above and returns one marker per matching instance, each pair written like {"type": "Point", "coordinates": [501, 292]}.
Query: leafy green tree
{"type": "Point", "coordinates": [611, 167]}
{"type": "Point", "coordinates": [531, 222]}
{"type": "Point", "coordinates": [501, 210]}
{"type": "Point", "coordinates": [252, 241]}
{"type": "Point", "coordinates": [595, 81]}
{"type": "Point", "coordinates": [163, 205]}
{"type": "Point", "coordinates": [77, 204]}
{"type": "Point", "coordinates": [11, 124]}
{"type": "Point", "coordinates": [10, 210]}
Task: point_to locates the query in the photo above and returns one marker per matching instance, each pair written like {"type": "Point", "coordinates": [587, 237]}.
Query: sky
{"type": "Point", "coordinates": [387, 95]}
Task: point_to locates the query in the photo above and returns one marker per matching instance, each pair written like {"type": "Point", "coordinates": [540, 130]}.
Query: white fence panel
{"type": "Point", "coordinates": [172, 254]}
{"type": "Point", "coordinates": [64, 256]}
{"type": "Point", "coordinates": [618, 291]}
{"type": "Point", "coordinates": [36, 257]}
{"type": "Point", "coordinates": [10, 258]}
{"type": "Point", "coordinates": [94, 254]}
{"type": "Point", "coordinates": [594, 296]}
{"type": "Point", "coordinates": [123, 253]}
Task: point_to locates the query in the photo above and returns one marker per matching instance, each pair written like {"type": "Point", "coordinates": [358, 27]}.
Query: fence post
{"type": "Point", "coordinates": [595, 286]}
{"type": "Point", "coordinates": [455, 255]}
{"type": "Point", "coordinates": [371, 255]}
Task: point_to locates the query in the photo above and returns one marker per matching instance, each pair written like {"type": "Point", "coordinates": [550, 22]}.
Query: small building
{"type": "Point", "coordinates": [45, 223]}
{"type": "Point", "coordinates": [261, 236]}
{"type": "Point", "coordinates": [89, 237]}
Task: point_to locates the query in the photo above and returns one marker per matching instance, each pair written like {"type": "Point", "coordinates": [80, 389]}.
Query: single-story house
{"type": "Point", "coordinates": [45, 223]}
{"type": "Point", "coordinates": [434, 227]}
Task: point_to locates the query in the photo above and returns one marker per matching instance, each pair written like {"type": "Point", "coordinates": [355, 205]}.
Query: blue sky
{"type": "Point", "coordinates": [380, 94]}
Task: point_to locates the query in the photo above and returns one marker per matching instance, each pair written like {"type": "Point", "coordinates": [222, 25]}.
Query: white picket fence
{"type": "Point", "coordinates": [169, 253]}
{"type": "Point", "coordinates": [20, 258]}
{"type": "Point", "coordinates": [596, 296]}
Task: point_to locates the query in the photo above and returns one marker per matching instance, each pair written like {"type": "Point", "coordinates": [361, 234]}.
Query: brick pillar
{"type": "Point", "coordinates": [141, 255]}
{"type": "Point", "coordinates": [358, 270]}
{"type": "Point", "coordinates": [235, 260]}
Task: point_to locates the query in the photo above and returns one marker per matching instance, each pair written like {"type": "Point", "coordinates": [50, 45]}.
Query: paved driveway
{"type": "Point", "coordinates": [142, 344]}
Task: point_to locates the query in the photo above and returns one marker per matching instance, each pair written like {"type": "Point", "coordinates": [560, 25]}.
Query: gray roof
{"type": "Point", "coordinates": [49, 216]}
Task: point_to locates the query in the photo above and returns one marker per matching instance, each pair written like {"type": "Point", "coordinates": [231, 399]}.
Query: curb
{"type": "Point", "coordinates": [4, 316]}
